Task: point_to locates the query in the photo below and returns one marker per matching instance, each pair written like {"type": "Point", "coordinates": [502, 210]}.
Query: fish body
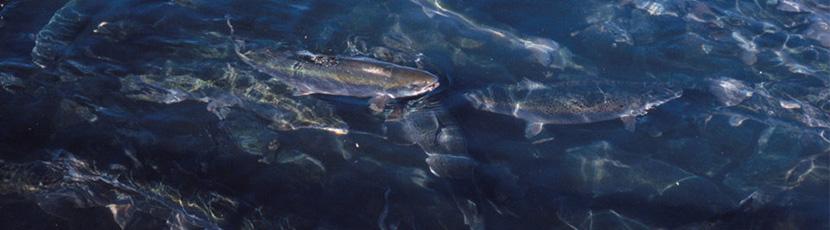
{"type": "Point", "coordinates": [309, 73]}
{"type": "Point", "coordinates": [578, 102]}
{"type": "Point", "coordinates": [224, 87]}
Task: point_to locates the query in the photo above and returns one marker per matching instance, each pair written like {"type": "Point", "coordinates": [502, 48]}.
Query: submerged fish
{"type": "Point", "coordinates": [309, 73]}
{"type": "Point", "coordinates": [65, 184]}
{"type": "Point", "coordinates": [56, 37]}
{"type": "Point", "coordinates": [572, 102]}
{"type": "Point", "coordinates": [226, 87]}
{"type": "Point", "coordinates": [742, 101]}
{"type": "Point", "coordinates": [428, 124]}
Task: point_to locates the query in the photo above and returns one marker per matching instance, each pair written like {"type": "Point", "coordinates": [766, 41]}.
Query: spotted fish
{"type": "Point", "coordinates": [577, 102]}
{"type": "Point", "coordinates": [309, 73]}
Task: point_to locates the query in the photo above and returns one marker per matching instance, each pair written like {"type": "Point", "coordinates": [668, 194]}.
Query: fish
{"type": "Point", "coordinates": [308, 73]}
{"type": "Point", "coordinates": [56, 37]}
{"type": "Point", "coordinates": [728, 91]}
{"type": "Point", "coordinates": [742, 101]}
{"type": "Point", "coordinates": [573, 102]}
{"type": "Point", "coordinates": [227, 86]}
{"type": "Point", "coordinates": [427, 123]}
{"type": "Point", "coordinates": [66, 183]}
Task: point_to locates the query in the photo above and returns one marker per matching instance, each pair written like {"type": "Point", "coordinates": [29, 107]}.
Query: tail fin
{"type": "Point", "coordinates": [237, 44]}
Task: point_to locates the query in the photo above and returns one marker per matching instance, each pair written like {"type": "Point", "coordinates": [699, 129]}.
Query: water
{"type": "Point", "coordinates": [140, 114]}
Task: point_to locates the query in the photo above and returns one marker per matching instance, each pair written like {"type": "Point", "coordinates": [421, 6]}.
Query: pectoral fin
{"type": "Point", "coordinates": [377, 103]}
{"type": "Point", "coordinates": [533, 129]}
{"type": "Point", "coordinates": [629, 122]}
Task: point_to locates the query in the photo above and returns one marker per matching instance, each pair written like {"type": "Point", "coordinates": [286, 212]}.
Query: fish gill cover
{"type": "Point", "coordinates": [415, 114]}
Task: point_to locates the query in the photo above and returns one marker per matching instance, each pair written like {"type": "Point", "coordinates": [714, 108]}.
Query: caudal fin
{"type": "Point", "coordinates": [237, 43]}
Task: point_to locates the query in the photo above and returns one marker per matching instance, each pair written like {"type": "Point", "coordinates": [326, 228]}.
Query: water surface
{"type": "Point", "coordinates": [140, 114]}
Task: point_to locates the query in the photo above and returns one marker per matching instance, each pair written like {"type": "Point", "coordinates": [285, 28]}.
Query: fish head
{"type": "Point", "coordinates": [409, 82]}
{"type": "Point", "coordinates": [495, 98]}
{"type": "Point", "coordinates": [333, 125]}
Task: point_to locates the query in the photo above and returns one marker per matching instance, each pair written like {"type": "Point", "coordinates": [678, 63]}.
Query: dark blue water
{"type": "Point", "coordinates": [140, 115]}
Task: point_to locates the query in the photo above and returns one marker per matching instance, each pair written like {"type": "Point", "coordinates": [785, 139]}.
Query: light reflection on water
{"type": "Point", "coordinates": [140, 114]}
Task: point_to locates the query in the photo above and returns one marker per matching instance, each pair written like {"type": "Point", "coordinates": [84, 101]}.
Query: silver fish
{"type": "Point", "coordinates": [766, 105]}
{"type": "Point", "coordinates": [578, 102]}
{"type": "Point", "coordinates": [228, 87]}
{"type": "Point", "coordinates": [309, 73]}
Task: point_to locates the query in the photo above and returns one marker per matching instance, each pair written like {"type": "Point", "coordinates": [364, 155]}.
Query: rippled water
{"type": "Point", "coordinates": [632, 114]}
